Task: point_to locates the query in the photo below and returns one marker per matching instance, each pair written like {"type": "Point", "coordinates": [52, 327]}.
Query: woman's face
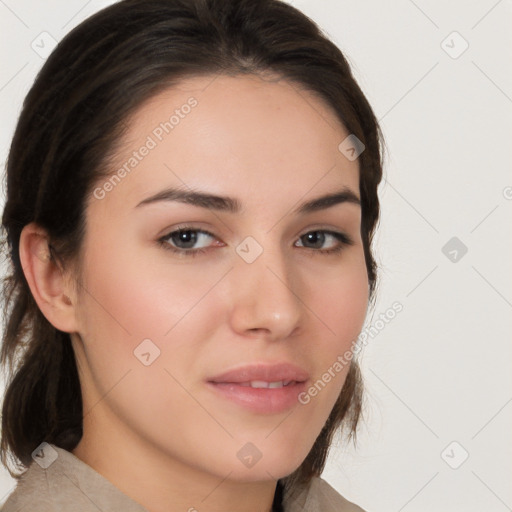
{"type": "Point", "coordinates": [253, 282]}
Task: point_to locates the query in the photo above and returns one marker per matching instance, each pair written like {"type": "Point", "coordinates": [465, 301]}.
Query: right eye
{"type": "Point", "coordinates": [183, 240]}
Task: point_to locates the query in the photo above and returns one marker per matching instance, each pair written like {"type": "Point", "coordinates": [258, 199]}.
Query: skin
{"type": "Point", "coordinates": [156, 432]}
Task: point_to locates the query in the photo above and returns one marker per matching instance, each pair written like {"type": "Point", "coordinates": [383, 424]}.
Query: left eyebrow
{"type": "Point", "coordinates": [232, 205]}
{"type": "Point", "coordinates": [321, 203]}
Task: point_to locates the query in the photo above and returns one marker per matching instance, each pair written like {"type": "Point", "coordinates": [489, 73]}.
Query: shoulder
{"type": "Point", "coordinates": [57, 481]}
{"type": "Point", "coordinates": [319, 496]}
{"type": "Point", "coordinates": [329, 497]}
{"type": "Point", "coordinates": [31, 493]}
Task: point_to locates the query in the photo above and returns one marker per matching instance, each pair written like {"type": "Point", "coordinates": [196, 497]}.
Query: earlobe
{"type": "Point", "coordinates": [46, 279]}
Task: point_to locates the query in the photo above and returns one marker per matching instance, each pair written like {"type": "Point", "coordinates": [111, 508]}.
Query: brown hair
{"type": "Point", "coordinates": [71, 121]}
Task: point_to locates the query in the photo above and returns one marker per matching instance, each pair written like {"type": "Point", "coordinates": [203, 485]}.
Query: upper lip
{"type": "Point", "coordinates": [264, 372]}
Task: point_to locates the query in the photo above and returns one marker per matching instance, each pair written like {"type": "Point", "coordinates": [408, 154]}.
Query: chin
{"type": "Point", "coordinates": [272, 466]}
{"type": "Point", "coordinates": [262, 474]}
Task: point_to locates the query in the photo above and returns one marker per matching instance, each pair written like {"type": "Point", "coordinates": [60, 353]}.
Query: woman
{"type": "Point", "coordinates": [191, 199]}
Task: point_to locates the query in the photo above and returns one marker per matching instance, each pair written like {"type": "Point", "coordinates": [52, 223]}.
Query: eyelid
{"type": "Point", "coordinates": [345, 238]}
{"type": "Point", "coordinates": [194, 229]}
{"type": "Point", "coordinates": [186, 226]}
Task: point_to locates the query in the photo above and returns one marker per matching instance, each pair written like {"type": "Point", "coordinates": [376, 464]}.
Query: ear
{"type": "Point", "coordinates": [49, 285]}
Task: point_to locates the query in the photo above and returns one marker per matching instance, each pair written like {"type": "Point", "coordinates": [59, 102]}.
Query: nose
{"type": "Point", "coordinates": [265, 297]}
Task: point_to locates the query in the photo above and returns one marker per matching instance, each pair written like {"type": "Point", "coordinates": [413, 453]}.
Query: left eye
{"type": "Point", "coordinates": [318, 238]}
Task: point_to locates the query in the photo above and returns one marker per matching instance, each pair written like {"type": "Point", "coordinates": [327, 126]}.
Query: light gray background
{"type": "Point", "coordinates": [440, 371]}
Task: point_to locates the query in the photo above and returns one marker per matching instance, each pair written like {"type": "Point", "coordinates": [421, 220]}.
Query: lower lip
{"type": "Point", "coordinates": [260, 400]}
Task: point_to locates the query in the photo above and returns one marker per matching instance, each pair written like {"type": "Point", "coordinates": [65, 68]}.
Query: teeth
{"type": "Point", "coordinates": [265, 384]}
{"type": "Point", "coordinates": [262, 384]}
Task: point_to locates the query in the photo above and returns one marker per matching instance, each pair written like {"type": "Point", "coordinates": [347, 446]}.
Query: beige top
{"type": "Point", "coordinates": [61, 482]}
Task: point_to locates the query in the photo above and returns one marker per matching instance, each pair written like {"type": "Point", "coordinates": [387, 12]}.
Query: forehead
{"type": "Point", "coordinates": [238, 135]}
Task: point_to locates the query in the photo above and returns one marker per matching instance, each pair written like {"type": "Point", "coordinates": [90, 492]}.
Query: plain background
{"type": "Point", "coordinates": [438, 375]}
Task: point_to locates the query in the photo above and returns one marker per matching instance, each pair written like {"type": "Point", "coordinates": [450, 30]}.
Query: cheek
{"type": "Point", "coordinates": [131, 298]}
{"type": "Point", "coordinates": [345, 306]}
{"type": "Point", "coordinates": [128, 301]}
{"type": "Point", "coordinates": [341, 299]}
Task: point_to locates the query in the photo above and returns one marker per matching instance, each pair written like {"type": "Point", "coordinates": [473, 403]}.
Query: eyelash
{"type": "Point", "coordinates": [344, 240]}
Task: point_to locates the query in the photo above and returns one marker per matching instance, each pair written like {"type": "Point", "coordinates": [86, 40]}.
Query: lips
{"type": "Point", "coordinates": [259, 374]}
{"type": "Point", "coordinates": [262, 388]}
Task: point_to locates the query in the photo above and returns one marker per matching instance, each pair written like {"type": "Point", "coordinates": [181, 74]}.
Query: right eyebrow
{"type": "Point", "coordinates": [201, 199]}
